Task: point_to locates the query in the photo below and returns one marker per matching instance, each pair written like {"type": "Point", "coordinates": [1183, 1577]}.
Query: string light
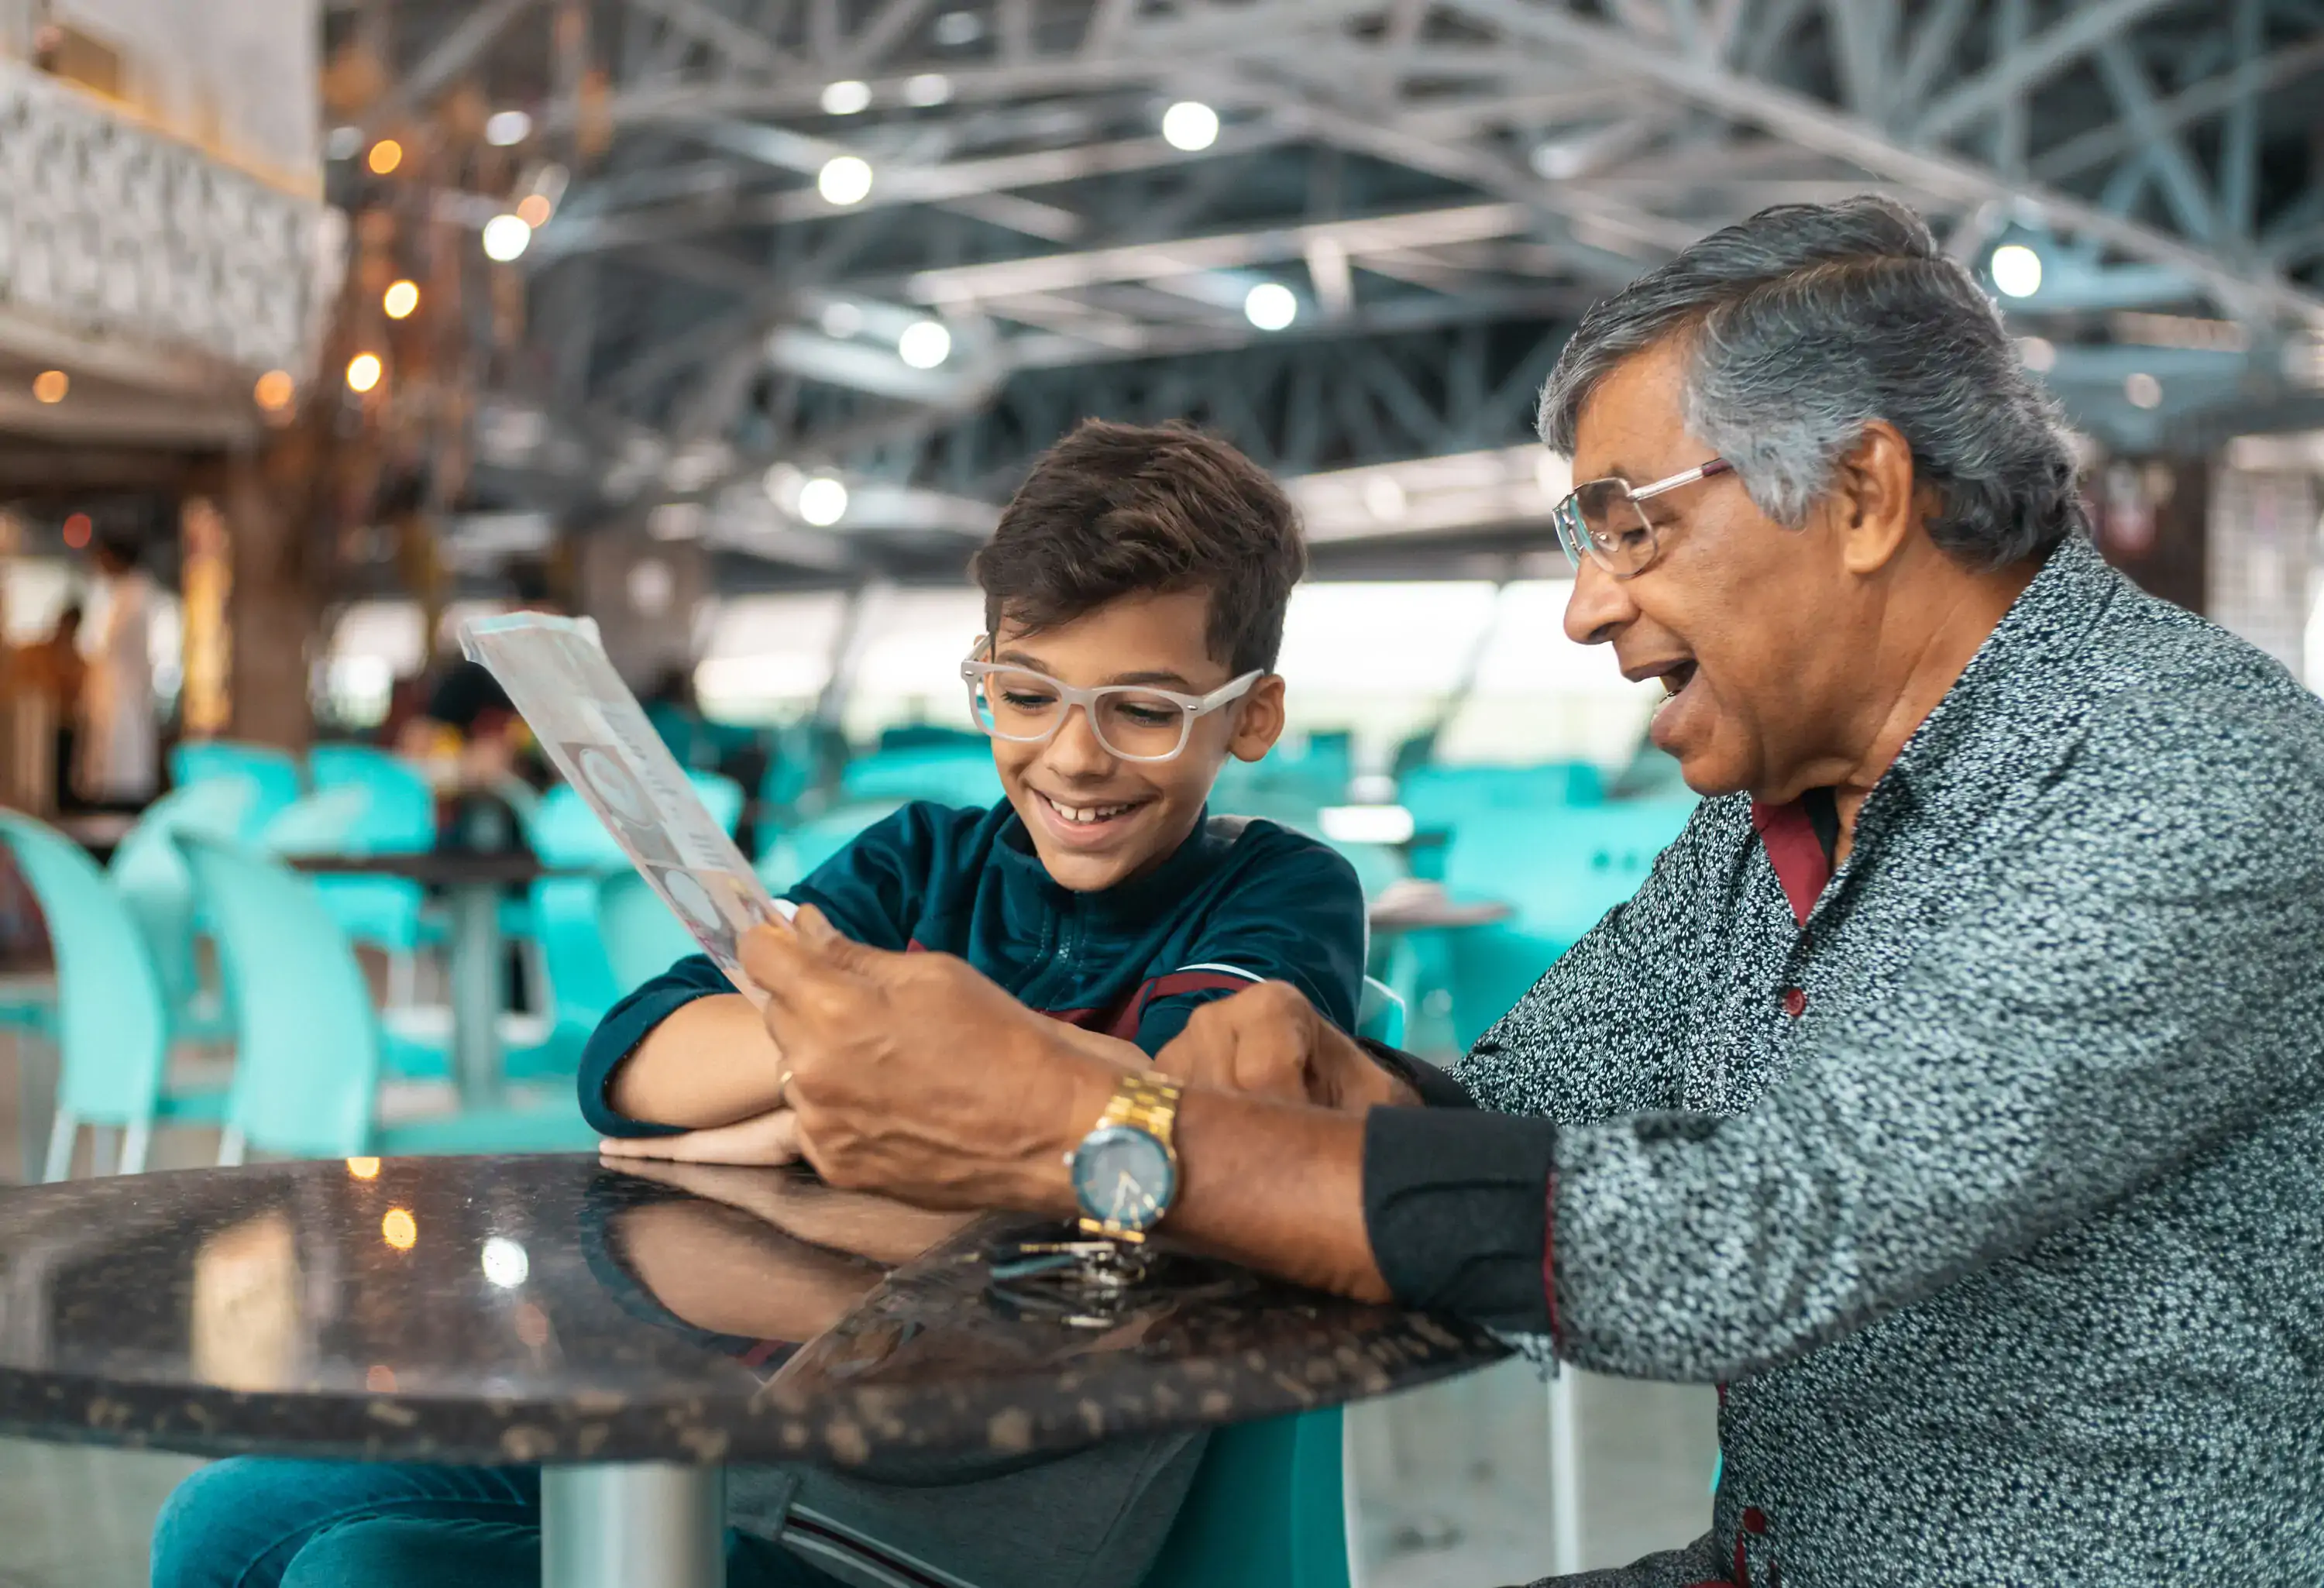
{"type": "Point", "coordinates": [506, 236]}
{"type": "Point", "coordinates": [78, 527]}
{"type": "Point", "coordinates": [823, 502]}
{"type": "Point", "coordinates": [274, 390]}
{"type": "Point", "coordinates": [844, 180]}
{"type": "Point", "coordinates": [924, 344]}
{"type": "Point", "coordinates": [51, 385]}
{"type": "Point", "coordinates": [363, 371]}
{"type": "Point", "coordinates": [400, 299]}
{"type": "Point", "coordinates": [385, 156]}
{"type": "Point", "coordinates": [1190, 126]}
{"type": "Point", "coordinates": [534, 210]}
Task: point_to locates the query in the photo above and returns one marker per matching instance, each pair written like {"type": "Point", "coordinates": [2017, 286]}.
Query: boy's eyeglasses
{"type": "Point", "coordinates": [1135, 722]}
{"type": "Point", "coordinates": [1601, 519]}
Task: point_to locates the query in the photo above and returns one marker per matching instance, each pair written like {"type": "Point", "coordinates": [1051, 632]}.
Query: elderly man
{"type": "Point", "coordinates": [1952, 1092]}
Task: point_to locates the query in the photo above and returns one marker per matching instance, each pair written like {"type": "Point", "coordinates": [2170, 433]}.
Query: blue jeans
{"type": "Point", "coordinates": [257, 1523]}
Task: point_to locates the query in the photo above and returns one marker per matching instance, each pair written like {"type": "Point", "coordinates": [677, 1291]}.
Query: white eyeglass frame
{"type": "Point", "coordinates": [974, 673]}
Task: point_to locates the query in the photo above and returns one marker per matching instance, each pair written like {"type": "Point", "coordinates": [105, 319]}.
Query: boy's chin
{"type": "Point", "coordinates": [1081, 872]}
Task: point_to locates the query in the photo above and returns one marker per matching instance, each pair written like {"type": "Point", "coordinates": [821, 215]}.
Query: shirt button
{"type": "Point", "coordinates": [1755, 1521]}
{"type": "Point", "coordinates": [1796, 1002]}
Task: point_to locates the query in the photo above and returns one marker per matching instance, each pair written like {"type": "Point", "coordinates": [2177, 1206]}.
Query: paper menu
{"type": "Point", "coordinates": [595, 733]}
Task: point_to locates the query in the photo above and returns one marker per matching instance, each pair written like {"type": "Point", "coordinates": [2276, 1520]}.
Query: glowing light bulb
{"type": "Point", "coordinates": [506, 236]}
{"type": "Point", "coordinates": [50, 385]}
{"type": "Point", "coordinates": [363, 371]}
{"type": "Point", "coordinates": [846, 96]}
{"type": "Point", "coordinates": [2016, 270]}
{"type": "Point", "coordinates": [924, 344]}
{"type": "Point", "coordinates": [844, 180]}
{"type": "Point", "coordinates": [823, 502]}
{"type": "Point", "coordinates": [505, 127]}
{"type": "Point", "coordinates": [399, 300]}
{"type": "Point", "coordinates": [1270, 306]}
{"type": "Point", "coordinates": [1190, 126]}
{"type": "Point", "coordinates": [385, 156]}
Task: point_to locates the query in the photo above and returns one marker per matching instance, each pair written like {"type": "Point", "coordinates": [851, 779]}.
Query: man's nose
{"type": "Point", "coordinates": [1074, 749]}
{"type": "Point", "coordinates": [1600, 607]}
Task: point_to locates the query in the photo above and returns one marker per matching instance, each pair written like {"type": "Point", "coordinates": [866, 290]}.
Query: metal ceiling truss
{"type": "Point", "coordinates": [1447, 174]}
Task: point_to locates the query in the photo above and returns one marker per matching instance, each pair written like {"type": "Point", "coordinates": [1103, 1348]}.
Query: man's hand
{"type": "Point", "coordinates": [1270, 1042]}
{"type": "Point", "coordinates": [771, 1138]}
{"type": "Point", "coordinates": [912, 1075]}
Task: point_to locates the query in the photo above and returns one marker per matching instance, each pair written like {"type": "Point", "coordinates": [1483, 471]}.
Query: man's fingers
{"type": "Point", "coordinates": [764, 1138]}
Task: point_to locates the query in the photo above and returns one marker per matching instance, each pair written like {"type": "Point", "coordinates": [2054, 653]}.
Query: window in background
{"type": "Point", "coordinates": [765, 659]}
{"type": "Point", "coordinates": [372, 644]}
{"type": "Point", "coordinates": [1540, 696]}
{"type": "Point", "coordinates": [36, 589]}
{"type": "Point", "coordinates": [907, 669]}
{"type": "Point", "coordinates": [1378, 659]}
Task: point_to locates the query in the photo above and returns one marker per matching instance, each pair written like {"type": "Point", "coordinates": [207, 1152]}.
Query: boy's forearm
{"type": "Point", "coordinates": [710, 1063]}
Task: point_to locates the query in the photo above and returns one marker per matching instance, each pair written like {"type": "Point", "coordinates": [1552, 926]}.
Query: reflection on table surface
{"type": "Point", "coordinates": [535, 1308]}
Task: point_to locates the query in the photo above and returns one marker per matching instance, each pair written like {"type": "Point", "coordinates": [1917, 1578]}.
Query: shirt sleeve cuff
{"type": "Point", "coordinates": [1435, 1088]}
{"type": "Point", "coordinates": [1456, 1205]}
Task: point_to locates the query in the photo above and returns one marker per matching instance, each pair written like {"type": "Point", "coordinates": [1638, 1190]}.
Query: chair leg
{"type": "Point", "coordinates": [134, 1142]}
{"type": "Point", "coordinates": [403, 978]}
{"type": "Point", "coordinates": [104, 1150]}
{"type": "Point", "coordinates": [230, 1148]}
{"type": "Point", "coordinates": [61, 1133]}
{"type": "Point", "coordinates": [1564, 1474]}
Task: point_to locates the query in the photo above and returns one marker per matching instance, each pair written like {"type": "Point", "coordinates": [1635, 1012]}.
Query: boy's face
{"type": "Point", "coordinates": [1098, 820]}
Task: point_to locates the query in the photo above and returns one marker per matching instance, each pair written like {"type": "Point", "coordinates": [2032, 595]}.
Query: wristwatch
{"type": "Point", "coordinates": [1126, 1171]}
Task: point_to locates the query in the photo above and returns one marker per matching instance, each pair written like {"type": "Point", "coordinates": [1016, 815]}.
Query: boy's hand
{"type": "Point", "coordinates": [1270, 1042]}
{"type": "Point", "coordinates": [771, 1138]}
{"type": "Point", "coordinates": [912, 1075]}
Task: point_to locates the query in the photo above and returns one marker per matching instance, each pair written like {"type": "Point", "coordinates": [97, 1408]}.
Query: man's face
{"type": "Point", "coordinates": [1098, 820]}
{"type": "Point", "coordinates": [1750, 626]}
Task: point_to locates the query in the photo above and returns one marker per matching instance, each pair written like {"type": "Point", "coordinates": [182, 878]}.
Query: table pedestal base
{"type": "Point", "coordinates": [632, 1525]}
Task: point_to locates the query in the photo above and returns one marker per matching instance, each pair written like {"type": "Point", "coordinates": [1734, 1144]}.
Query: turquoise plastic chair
{"type": "Point", "coordinates": [1267, 1509]}
{"type": "Point", "coordinates": [306, 1072]}
{"type": "Point", "coordinates": [151, 876]}
{"type": "Point", "coordinates": [643, 938]}
{"type": "Point", "coordinates": [273, 773]}
{"type": "Point", "coordinates": [1562, 871]}
{"type": "Point", "coordinates": [1379, 1014]}
{"type": "Point", "coordinates": [956, 774]}
{"type": "Point", "coordinates": [791, 854]}
{"type": "Point", "coordinates": [366, 802]}
{"type": "Point", "coordinates": [565, 832]}
{"type": "Point", "coordinates": [112, 1019]}
{"type": "Point", "coordinates": [572, 955]}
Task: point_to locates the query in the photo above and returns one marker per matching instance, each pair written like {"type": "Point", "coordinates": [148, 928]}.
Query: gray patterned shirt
{"type": "Point", "coordinates": [1994, 1192]}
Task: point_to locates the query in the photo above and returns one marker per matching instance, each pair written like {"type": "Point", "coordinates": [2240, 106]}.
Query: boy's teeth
{"type": "Point", "coordinates": [1086, 813]}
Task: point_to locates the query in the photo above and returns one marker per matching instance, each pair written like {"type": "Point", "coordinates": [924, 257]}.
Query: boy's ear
{"type": "Point", "coordinates": [1258, 720]}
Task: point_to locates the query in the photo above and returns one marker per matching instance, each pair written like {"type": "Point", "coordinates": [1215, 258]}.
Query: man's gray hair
{"type": "Point", "coordinates": [1806, 322]}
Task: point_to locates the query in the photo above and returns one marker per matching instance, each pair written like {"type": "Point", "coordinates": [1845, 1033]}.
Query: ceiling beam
{"type": "Point", "coordinates": [2030, 64]}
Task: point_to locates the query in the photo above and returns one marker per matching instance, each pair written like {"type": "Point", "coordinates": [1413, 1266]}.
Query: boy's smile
{"type": "Point", "coordinates": [1097, 819]}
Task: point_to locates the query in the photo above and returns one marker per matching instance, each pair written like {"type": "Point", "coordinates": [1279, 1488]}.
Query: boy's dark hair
{"type": "Point", "coordinates": [1121, 510]}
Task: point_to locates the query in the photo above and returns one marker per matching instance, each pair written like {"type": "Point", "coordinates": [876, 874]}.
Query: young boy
{"type": "Point", "coordinates": [1135, 593]}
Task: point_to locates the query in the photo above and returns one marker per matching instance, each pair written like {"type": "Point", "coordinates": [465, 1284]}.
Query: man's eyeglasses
{"type": "Point", "coordinates": [1602, 520]}
{"type": "Point", "coordinates": [1135, 722]}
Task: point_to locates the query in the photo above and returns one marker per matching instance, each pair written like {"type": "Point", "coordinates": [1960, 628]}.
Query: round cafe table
{"type": "Point", "coordinates": [556, 1310]}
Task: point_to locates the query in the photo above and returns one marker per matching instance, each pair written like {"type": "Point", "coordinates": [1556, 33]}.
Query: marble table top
{"type": "Point", "coordinates": [490, 1310]}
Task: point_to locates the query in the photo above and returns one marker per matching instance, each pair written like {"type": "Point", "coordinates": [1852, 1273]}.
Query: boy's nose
{"type": "Point", "coordinates": [1075, 751]}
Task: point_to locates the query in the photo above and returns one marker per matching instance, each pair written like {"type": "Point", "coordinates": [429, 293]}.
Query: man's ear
{"type": "Point", "coordinates": [1258, 720]}
{"type": "Point", "coordinates": [1874, 503]}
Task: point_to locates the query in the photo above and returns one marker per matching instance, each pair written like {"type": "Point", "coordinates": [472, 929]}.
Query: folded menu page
{"type": "Point", "coordinates": [595, 733]}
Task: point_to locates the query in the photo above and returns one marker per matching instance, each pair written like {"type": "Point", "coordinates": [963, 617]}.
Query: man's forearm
{"type": "Point", "coordinates": [710, 1063]}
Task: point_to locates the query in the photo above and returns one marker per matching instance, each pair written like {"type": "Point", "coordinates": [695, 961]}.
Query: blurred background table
{"type": "Point", "coordinates": [495, 1310]}
{"type": "Point", "coordinates": [473, 885]}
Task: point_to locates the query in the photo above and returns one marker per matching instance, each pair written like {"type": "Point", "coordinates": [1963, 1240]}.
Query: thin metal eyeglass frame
{"type": "Point", "coordinates": [1574, 537]}
{"type": "Point", "coordinates": [1194, 706]}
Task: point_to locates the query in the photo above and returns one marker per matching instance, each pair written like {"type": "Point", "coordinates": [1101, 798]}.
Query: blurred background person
{"type": "Point", "coordinates": [46, 678]}
{"type": "Point", "coordinates": [119, 748]}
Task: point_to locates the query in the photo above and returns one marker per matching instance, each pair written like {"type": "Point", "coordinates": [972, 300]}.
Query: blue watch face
{"type": "Point", "coordinates": [1123, 1177]}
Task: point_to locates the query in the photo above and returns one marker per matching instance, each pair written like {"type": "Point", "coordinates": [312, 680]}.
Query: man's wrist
{"type": "Point", "coordinates": [1083, 1085]}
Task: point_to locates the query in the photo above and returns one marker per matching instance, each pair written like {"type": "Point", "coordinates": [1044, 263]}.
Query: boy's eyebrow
{"type": "Point", "coordinates": [1163, 677]}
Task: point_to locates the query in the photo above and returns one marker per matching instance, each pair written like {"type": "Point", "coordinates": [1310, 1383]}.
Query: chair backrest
{"type": "Point", "coordinates": [582, 986]}
{"type": "Point", "coordinates": [150, 873]}
{"type": "Point", "coordinates": [1442, 798]}
{"type": "Point", "coordinates": [306, 1064]}
{"type": "Point", "coordinates": [112, 1017]}
{"type": "Point", "coordinates": [643, 938]}
{"type": "Point", "coordinates": [1562, 872]}
{"type": "Point", "coordinates": [959, 774]}
{"type": "Point", "coordinates": [274, 773]}
{"type": "Point", "coordinates": [791, 854]}
{"type": "Point", "coordinates": [1266, 1510]}
{"type": "Point", "coordinates": [1380, 1015]}
{"type": "Point", "coordinates": [565, 832]}
{"type": "Point", "coordinates": [317, 824]}
{"type": "Point", "coordinates": [400, 816]}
